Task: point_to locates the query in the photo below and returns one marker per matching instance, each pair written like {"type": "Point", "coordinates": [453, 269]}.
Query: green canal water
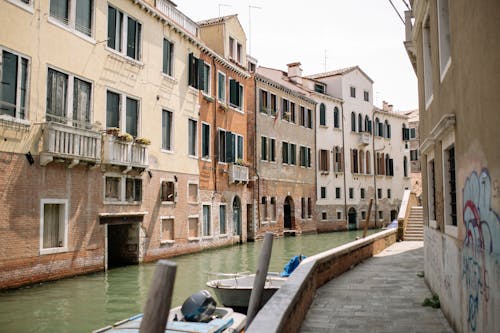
{"type": "Point", "coordinates": [85, 303]}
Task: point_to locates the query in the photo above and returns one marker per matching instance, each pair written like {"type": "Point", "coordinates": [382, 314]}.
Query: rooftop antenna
{"type": "Point", "coordinates": [223, 5]}
{"type": "Point", "coordinates": [250, 7]}
{"type": "Point", "coordinates": [325, 61]}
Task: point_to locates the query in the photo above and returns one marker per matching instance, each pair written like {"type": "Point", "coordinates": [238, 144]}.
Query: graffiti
{"type": "Point", "coordinates": [481, 227]}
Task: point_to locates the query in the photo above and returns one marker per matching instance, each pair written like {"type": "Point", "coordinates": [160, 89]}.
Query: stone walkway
{"type": "Point", "coordinates": [382, 294]}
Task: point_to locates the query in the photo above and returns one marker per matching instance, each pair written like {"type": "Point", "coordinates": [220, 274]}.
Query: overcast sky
{"type": "Point", "coordinates": [367, 33]}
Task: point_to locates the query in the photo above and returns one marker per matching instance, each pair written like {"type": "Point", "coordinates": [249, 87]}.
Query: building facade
{"type": "Point", "coordinates": [460, 160]}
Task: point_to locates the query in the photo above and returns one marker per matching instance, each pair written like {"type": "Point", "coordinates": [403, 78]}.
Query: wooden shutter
{"type": "Point", "coordinates": [201, 74]}
{"type": "Point", "coordinates": [229, 147]}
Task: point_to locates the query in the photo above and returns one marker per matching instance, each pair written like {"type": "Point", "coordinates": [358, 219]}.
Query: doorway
{"type": "Point", "coordinates": [394, 215]}
{"type": "Point", "coordinates": [123, 244]}
{"type": "Point", "coordinates": [352, 216]}
{"type": "Point", "coordinates": [288, 216]}
{"type": "Point", "coordinates": [237, 216]}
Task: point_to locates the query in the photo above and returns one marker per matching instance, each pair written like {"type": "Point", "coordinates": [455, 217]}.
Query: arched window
{"type": "Point", "coordinates": [368, 163]}
{"type": "Point", "coordinates": [405, 166]}
{"type": "Point", "coordinates": [387, 169]}
{"type": "Point", "coordinates": [386, 129]}
{"type": "Point", "coordinates": [336, 117]}
{"type": "Point", "coordinates": [368, 126]}
{"type": "Point", "coordinates": [353, 122]}
{"type": "Point", "coordinates": [361, 161]}
{"type": "Point", "coordinates": [377, 123]}
{"type": "Point", "coordinates": [388, 133]}
{"type": "Point", "coordinates": [322, 114]}
{"type": "Point", "coordinates": [360, 123]}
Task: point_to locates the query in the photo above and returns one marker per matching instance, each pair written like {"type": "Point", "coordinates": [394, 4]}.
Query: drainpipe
{"type": "Point", "coordinates": [343, 163]}
{"type": "Point", "coordinates": [216, 104]}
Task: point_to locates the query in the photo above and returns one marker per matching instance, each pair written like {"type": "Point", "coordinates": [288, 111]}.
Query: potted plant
{"type": "Point", "coordinates": [125, 137]}
{"type": "Point", "coordinates": [241, 162]}
{"type": "Point", "coordinates": [143, 141]}
{"type": "Point", "coordinates": [114, 131]}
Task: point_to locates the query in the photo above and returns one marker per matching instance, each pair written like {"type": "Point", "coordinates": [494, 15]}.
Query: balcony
{"type": "Point", "coordinates": [127, 154]}
{"type": "Point", "coordinates": [238, 174]}
{"type": "Point", "coordinates": [70, 143]}
{"type": "Point", "coordinates": [364, 139]}
{"type": "Point", "coordinates": [168, 9]}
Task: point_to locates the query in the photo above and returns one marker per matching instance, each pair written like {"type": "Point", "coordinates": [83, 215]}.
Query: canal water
{"type": "Point", "coordinates": [85, 303]}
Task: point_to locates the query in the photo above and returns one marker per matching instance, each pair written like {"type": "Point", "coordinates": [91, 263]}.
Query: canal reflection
{"type": "Point", "coordinates": [85, 303]}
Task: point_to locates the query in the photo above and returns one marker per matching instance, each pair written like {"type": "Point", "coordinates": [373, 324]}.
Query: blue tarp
{"type": "Point", "coordinates": [291, 265]}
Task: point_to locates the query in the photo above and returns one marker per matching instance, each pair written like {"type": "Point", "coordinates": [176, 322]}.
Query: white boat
{"type": "Point", "coordinates": [217, 320]}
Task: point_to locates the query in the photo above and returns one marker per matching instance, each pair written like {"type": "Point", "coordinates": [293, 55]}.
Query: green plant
{"type": "Point", "coordinates": [125, 137]}
{"type": "Point", "coordinates": [115, 131]}
{"type": "Point", "coordinates": [240, 161]}
{"type": "Point", "coordinates": [143, 141]}
{"type": "Point", "coordinates": [432, 302]}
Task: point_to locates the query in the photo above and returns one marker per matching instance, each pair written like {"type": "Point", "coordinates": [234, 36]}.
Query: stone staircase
{"type": "Point", "coordinates": [415, 227]}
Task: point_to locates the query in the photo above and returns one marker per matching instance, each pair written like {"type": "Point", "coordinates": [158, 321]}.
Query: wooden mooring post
{"type": "Point", "coordinates": [159, 299]}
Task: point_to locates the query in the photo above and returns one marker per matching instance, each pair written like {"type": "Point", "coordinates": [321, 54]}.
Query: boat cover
{"type": "Point", "coordinates": [291, 265]}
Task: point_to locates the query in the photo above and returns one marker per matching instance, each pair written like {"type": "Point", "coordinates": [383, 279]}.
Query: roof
{"type": "Point", "coordinates": [341, 71]}
{"type": "Point", "coordinates": [412, 115]}
{"type": "Point", "coordinates": [216, 20]}
{"type": "Point", "coordinates": [395, 114]}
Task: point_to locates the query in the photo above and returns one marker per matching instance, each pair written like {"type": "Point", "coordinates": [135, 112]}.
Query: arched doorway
{"type": "Point", "coordinates": [394, 214]}
{"type": "Point", "coordinates": [352, 218]}
{"type": "Point", "coordinates": [288, 215]}
{"type": "Point", "coordinates": [237, 215]}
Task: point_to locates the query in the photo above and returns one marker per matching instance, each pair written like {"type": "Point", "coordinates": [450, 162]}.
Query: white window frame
{"type": "Point", "coordinates": [269, 149]}
{"type": "Point", "coordinates": [64, 248]}
{"type": "Point", "coordinates": [337, 212]}
{"type": "Point", "coordinates": [25, 6]}
{"type": "Point", "coordinates": [195, 139]}
{"type": "Point", "coordinates": [124, 35]}
{"type": "Point", "coordinates": [20, 56]}
{"type": "Point", "coordinates": [210, 234]}
{"type": "Point", "coordinates": [123, 110]}
{"type": "Point", "coordinates": [223, 100]}
{"type": "Point", "coordinates": [197, 217]}
{"type": "Point", "coordinates": [172, 58]}
{"type": "Point", "coordinates": [122, 199]}
{"type": "Point", "coordinates": [207, 82]}
{"type": "Point", "coordinates": [71, 24]}
{"type": "Point", "coordinates": [241, 108]}
{"type": "Point", "coordinates": [203, 123]}
{"type": "Point", "coordinates": [167, 241]}
{"type": "Point", "coordinates": [172, 130]}
{"type": "Point", "coordinates": [443, 15]}
{"type": "Point", "coordinates": [427, 60]}
{"type": "Point", "coordinates": [70, 94]}
{"type": "Point", "coordinates": [448, 141]}
{"type": "Point", "coordinates": [188, 199]}
{"type": "Point", "coordinates": [175, 198]}
{"type": "Point", "coordinates": [225, 219]}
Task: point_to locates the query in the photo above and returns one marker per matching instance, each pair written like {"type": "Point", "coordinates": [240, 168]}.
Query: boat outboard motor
{"type": "Point", "coordinates": [198, 307]}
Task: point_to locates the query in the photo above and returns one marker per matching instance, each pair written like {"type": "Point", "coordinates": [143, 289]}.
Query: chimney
{"type": "Point", "coordinates": [295, 72]}
{"type": "Point", "coordinates": [390, 108]}
{"type": "Point", "coordinates": [385, 106]}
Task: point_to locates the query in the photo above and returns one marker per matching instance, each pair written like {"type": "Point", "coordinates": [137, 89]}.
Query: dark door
{"type": "Point", "coordinates": [237, 215]}
{"type": "Point", "coordinates": [288, 213]}
{"type": "Point", "coordinates": [352, 218]}
{"type": "Point", "coordinates": [123, 244]}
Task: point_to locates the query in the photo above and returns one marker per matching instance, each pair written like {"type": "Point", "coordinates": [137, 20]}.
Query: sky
{"type": "Point", "coordinates": [367, 33]}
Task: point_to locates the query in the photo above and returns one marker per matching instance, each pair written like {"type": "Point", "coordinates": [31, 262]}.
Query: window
{"type": "Point", "coordinates": [273, 208]}
{"type": "Point", "coordinates": [354, 161]}
{"type": "Point", "coordinates": [221, 87]}
{"type": "Point", "coordinates": [368, 163]}
{"type": "Point", "coordinates": [193, 227]}
{"type": "Point", "coordinates": [207, 221]}
{"type": "Point", "coordinates": [319, 88]}
{"type": "Point", "coordinates": [263, 202]}
{"type": "Point", "coordinates": [360, 123]}
{"type": "Point", "coordinates": [168, 56]}
{"type": "Point", "coordinates": [427, 54]}
{"type": "Point", "coordinates": [58, 93]}
{"type": "Point", "coordinates": [305, 156]}
{"type": "Point", "coordinates": [273, 104]}
{"type": "Point", "coordinates": [322, 115]}
{"type": "Point", "coordinates": [192, 136]}
{"type": "Point", "coordinates": [198, 74]}
{"type": "Point", "coordinates": [351, 193]}
{"type": "Point", "coordinates": [168, 192]}
{"type": "Point", "coordinates": [53, 225]}
{"type": "Point", "coordinates": [166, 130]}
{"type": "Point", "coordinates": [292, 154]}
{"type": "Point", "coordinates": [444, 36]}
{"type": "Point", "coordinates": [235, 94]}
{"type": "Point", "coordinates": [353, 92]}
{"type": "Point", "coordinates": [264, 101]}
{"type": "Point", "coordinates": [353, 122]}
{"type": "Point", "coordinates": [388, 193]}
{"type": "Point", "coordinates": [122, 189]}
{"type": "Point", "coordinates": [405, 166]}
{"type": "Point", "coordinates": [192, 192]}
{"type": "Point", "coordinates": [414, 155]}
{"type": "Point", "coordinates": [231, 47]}
{"type": "Point", "coordinates": [336, 122]}
{"type": "Point", "coordinates": [309, 118]}
{"type": "Point", "coordinates": [413, 133]}
{"type": "Point", "coordinates": [122, 112]}
{"type": "Point", "coordinates": [323, 192]}
{"type": "Point", "coordinates": [366, 96]}
{"type": "Point", "coordinates": [368, 125]}
{"type": "Point", "coordinates": [449, 182]}
{"type": "Point", "coordinates": [303, 208]}
{"type": "Point", "coordinates": [231, 146]}
{"type": "Point", "coordinates": [431, 190]}
{"type": "Point", "coordinates": [380, 215]}
{"type": "Point", "coordinates": [285, 109]}
{"type": "Point", "coordinates": [239, 53]}
{"type": "Point", "coordinates": [284, 152]}
{"type": "Point", "coordinates": [292, 112]}
{"type": "Point", "coordinates": [324, 160]}
{"type": "Point", "coordinates": [309, 208]}
{"type": "Point", "coordinates": [379, 193]}
{"type": "Point", "coordinates": [302, 116]}
{"type": "Point", "coordinates": [222, 219]}
{"type": "Point", "coordinates": [263, 150]}
{"type": "Point", "coordinates": [13, 85]}
{"type": "Point", "coordinates": [323, 216]}
{"type": "Point", "coordinates": [167, 229]}
{"type": "Point", "coordinates": [386, 129]}
{"type": "Point", "coordinates": [339, 215]}
{"type": "Point", "coordinates": [337, 193]}
{"type": "Point", "coordinates": [235, 50]}
{"type": "Point", "coordinates": [406, 133]}
{"type": "Point", "coordinates": [362, 193]}
{"type": "Point", "coordinates": [205, 141]}
{"type": "Point", "coordinates": [272, 150]}
{"type": "Point", "coordinates": [338, 152]}
{"type": "Point", "coordinates": [124, 33]}
{"type": "Point", "coordinates": [76, 14]}
{"type": "Point", "coordinates": [377, 127]}
{"type": "Point", "coordinates": [363, 215]}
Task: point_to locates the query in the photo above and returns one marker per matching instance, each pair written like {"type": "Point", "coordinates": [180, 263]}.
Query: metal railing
{"type": "Point", "coordinates": [169, 10]}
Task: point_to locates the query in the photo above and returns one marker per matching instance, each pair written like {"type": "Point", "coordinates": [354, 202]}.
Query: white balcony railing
{"type": "Point", "coordinates": [169, 10]}
{"type": "Point", "coordinates": [364, 139]}
{"type": "Point", "coordinates": [238, 173]}
{"type": "Point", "coordinates": [66, 142]}
{"type": "Point", "coordinates": [128, 154]}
